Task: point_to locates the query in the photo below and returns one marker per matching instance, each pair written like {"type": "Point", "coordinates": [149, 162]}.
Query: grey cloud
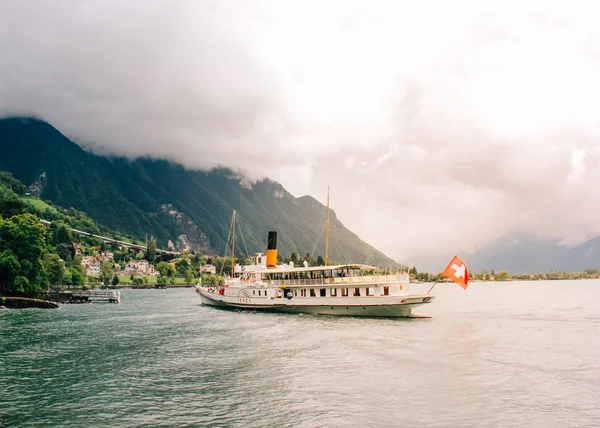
{"type": "Point", "coordinates": [187, 81]}
{"type": "Point", "coordinates": [462, 190]}
{"type": "Point", "coordinates": [165, 79]}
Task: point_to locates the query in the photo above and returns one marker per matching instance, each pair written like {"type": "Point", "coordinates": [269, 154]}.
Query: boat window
{"type": "Point", "coordinates": [295, 293]}
{"type": "Point", "coordinates": [323, 292]}
{"type": "Point", "coordinates": [253, 292]}
{"type": "Point", "coordinates": [303, 293]}
{"type": "Point", "coordinates": [333, 292]}
{"type": "Point", "coordinates": [313, 293]}
{"type": "Point", "coordinates": [370, 291]}
{"type": "Point", "coordinates": [386, 291]}
{"type": "Point", "coordinates": [356, 292]}
{"type": "Point", "coordinates": [344, 292]}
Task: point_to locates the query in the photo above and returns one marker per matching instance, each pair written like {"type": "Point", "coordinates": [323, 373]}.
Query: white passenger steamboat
{"type": "Point", "coordinates": [351, 289]}
{"type": "Point", "coordinates": [347, 289]}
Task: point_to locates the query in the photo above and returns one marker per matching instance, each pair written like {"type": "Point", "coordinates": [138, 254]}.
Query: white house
{"type": "Point", "coordinates": [91, 266]}
{"type": "Point", "coordinates": [143, 266]}
{"type": "Point", "coordinates": [209, 269]}
{"type": "Point", "coordinates": [107, 255]}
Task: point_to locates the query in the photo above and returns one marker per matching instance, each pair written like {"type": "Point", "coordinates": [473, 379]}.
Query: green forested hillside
{"type": "Point", "coordinates": [165, 200]}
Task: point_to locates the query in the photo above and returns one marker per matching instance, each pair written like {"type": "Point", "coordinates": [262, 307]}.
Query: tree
{"type": "Point", "coordinates": [115, 280]}
{"type": "Point", "coordinates": [12, 183]}
{"type": "Point", "coordinates": [118, 256]}
{"type": "Point", "coordinates": [76, 270]}
{"type": "Point", "coordinates": [165, 269]}
{"type": "Point", "coordinates": [309, 259]}
{"type": "Point", "coordinates": [65, 252]}
{"type": "Point", "coordinates": [241, 260]}
{"type": "Point", "coordinates": [22, 241]}
{"type": "Point", "coordinates": [67, 277]}
{"type": "Point", "coordinates": [320, 261]}
{"type": "Point", "coordinates": [151, 250]}
{"type": "Point", "coordinates": [54, 268]}
{"type": "Point", "coordinates": [223, 265]}
{"type": "Point", "coordinates": [294, 258]}
{"type": "Point", "coordinates": [62, 235]}
{"type": "Point", "coordinates": [181, 266]}
{"type": "Point", "coordinates": [77, 277]}
{"type": "Point", "coordinates": [9, 267]}
{"type": "Point", "coordinates": [106, 271]}
{"type": "Point", "coordinates": [501, 276]}
{"type": "Point", "coordinates": [198, 260]}
{"type": "Point", "coordinates": [413, 270]}
{"type": "Point", "coordinates": [10, 204]}
{"type": "Point", "coordinates": [189, 277]}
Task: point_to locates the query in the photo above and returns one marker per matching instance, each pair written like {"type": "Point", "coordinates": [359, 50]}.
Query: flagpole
{"type": "Point", "coordinates": [433, 286]}
{"type": "Point", "coordinates": [442, 273]}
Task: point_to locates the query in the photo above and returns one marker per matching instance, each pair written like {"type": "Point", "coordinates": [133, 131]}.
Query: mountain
{"type": "Point", "coordinates": [521, 252]}
{"type": "Point", "coordinates": [163, 199]}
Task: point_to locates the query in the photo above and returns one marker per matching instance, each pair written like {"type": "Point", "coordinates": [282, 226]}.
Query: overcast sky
{"type": "Point", "coordinates": [440, 126]}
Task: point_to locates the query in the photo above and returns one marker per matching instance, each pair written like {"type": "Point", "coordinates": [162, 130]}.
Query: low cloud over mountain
{"type": "Point", "coordinates": [439, 126]}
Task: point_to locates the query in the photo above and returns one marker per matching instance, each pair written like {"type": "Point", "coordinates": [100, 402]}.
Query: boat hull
{"type": "Point", "coordinates": [396, 307]}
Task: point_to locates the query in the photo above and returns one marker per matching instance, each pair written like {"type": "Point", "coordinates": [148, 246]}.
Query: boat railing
{"type": "Point", "coordinates": [347, 280]}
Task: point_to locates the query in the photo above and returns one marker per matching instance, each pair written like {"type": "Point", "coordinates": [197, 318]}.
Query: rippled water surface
{"type": "Point", "coordinates": [523, 354]}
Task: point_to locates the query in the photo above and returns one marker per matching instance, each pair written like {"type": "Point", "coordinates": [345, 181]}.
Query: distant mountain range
{"type": "Point", "coordinates": [523, 252]}
{"type": "Point", "coordinates": [159, 198]}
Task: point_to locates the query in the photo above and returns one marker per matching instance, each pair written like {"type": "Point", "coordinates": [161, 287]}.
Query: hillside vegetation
{"type": "Point", "coordinates": [164, 200]}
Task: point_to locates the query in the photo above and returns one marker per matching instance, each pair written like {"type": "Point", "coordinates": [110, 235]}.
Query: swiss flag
{"type": "Point", "coordinates": [458, 272]}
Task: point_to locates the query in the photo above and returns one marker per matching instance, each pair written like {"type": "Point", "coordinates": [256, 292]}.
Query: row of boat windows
{"type": "Point", "coordinates": [329, 273]}
{"type": "Point", "coordinates": [333, 292]}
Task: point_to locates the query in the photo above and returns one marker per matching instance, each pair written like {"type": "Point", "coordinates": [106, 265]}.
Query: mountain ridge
{"type": "Point", "coordinates": [166, 200]}
{"type": "Point", "coordinates": [523, 252]}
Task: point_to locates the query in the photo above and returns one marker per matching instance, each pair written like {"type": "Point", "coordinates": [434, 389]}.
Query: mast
{"type": "Point", "coordinates": [327, 230]}
{"type": "Point", "coordinates": [233, 245]}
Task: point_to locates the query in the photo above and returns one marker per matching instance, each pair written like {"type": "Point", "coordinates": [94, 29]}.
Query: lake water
{"type": "Point", "coordinates": [524, 354]}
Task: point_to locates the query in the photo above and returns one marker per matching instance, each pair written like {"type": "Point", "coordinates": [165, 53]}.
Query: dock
{"type": "Point", "coordinates": [96, 296]}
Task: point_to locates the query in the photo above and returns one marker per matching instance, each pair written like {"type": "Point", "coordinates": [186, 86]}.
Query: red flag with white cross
{"type": "Point", "coordinates": [457, 271]}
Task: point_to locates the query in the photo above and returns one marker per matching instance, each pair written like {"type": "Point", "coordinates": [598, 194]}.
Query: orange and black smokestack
{"type": "Point", "coordinates": [272, 251]}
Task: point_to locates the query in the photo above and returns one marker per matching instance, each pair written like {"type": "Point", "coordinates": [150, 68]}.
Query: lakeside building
{"type": "Point", "coordinates": [208, 269]}
{"type": "Point", "coordinates": [91, 266]}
